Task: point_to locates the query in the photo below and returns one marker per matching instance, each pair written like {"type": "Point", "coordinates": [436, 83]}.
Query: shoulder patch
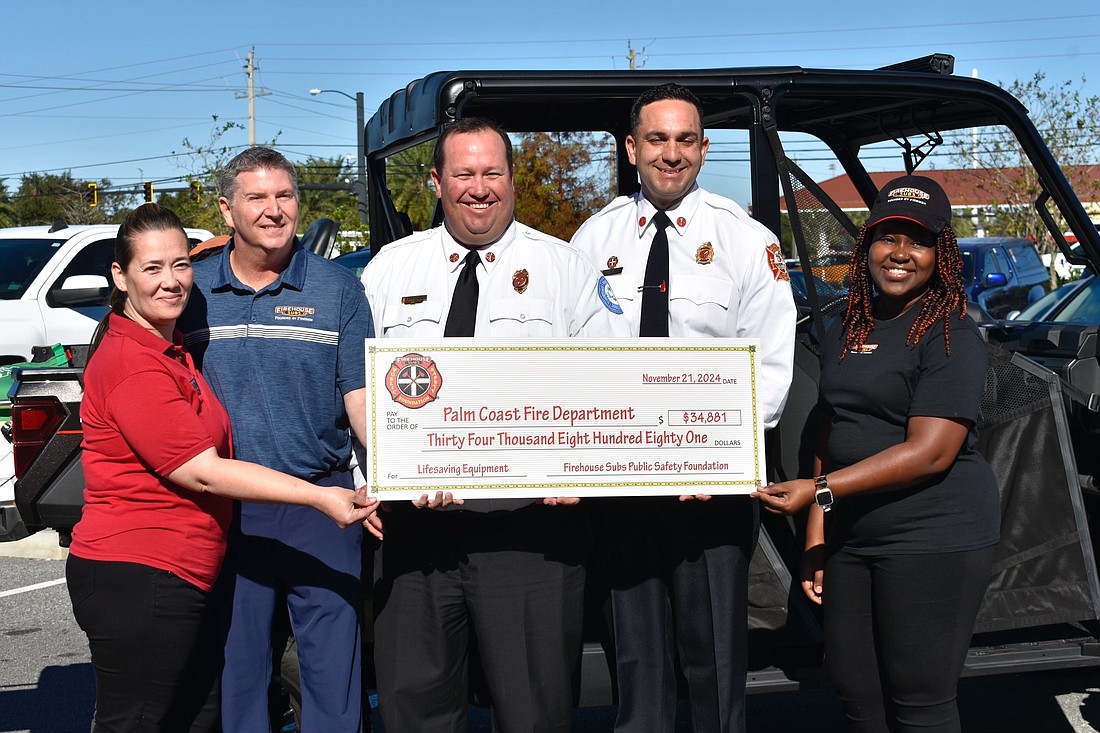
{"type": "Point", "coordinates": [777, 263]}
{"type": "Point", "coordinates": [607, 296]}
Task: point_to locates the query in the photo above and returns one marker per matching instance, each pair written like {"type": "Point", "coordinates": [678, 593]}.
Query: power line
{"type": "Point", "coordinates": [755, 33]}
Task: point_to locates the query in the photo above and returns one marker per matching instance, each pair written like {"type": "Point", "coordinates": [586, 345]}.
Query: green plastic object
{"type": "Point", "coordinates": [58, 358]}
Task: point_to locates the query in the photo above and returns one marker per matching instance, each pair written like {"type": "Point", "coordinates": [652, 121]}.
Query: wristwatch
{"type": "Point", "coordinates": [823, 495]}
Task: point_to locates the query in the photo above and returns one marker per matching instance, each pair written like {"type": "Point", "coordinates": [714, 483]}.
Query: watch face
{"type": "Point", "coordinates": [824, 499]}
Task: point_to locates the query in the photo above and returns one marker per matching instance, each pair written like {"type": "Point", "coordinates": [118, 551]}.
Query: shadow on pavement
{"type": "Point", "coordinates": [63, 700]}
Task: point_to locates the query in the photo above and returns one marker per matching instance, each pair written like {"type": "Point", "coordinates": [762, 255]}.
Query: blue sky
{"type": "Point", "coordinates": [110, 90]}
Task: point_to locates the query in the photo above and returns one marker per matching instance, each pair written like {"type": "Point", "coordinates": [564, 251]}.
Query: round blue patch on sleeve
{"type": "Point", "coordinates": [603, 287]}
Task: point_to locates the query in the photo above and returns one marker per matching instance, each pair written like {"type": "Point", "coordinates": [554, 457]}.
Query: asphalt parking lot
{"type": "Point", "coordinates": [46, 681]}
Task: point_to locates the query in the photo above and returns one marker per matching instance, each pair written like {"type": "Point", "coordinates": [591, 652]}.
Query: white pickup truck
{"type": "Point", "coordinates": [54, 282]}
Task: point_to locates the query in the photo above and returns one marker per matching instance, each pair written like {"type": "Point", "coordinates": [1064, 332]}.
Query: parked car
{"type": "Point", "coordinates": [355, 261]}
{"type": "Point", "coordinates": [1002, 274]}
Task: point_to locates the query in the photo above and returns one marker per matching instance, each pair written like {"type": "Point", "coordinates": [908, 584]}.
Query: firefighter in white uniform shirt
{"type": "Point", "coordinates": [679, 569]}
{"type": "Point", "coordinates": [508, 573]}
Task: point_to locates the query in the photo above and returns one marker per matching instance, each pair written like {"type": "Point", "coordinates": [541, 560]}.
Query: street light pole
{"type": "Point", "coordinates": [360, 142]}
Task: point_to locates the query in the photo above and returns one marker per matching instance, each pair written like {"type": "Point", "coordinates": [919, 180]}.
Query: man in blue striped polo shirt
{"type": "Point", "coordinates": [278, 333]}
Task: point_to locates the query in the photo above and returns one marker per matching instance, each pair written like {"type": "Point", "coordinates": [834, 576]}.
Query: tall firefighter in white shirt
{"type": "Point", "coordinates": [679, 569]}
{"type": "Point", "coordinates": [508, 573]}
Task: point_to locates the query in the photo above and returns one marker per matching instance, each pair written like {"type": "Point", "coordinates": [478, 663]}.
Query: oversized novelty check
{"type": "Point", "coordinates": [529, 418]}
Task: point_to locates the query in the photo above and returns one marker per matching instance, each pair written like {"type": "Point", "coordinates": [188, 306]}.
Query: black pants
{"type": "Point", "coordinates": [512, 583]}
{"type": "Point", "coordinates": [679, 582]}
{"type": "Point", "coordinates": [897, 628]}
{"type": "Point", "coordinates": [154, 644]}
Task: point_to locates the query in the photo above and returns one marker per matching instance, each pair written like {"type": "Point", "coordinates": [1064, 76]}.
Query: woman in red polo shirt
{"type": "Point", "coordinates": [159, 490]}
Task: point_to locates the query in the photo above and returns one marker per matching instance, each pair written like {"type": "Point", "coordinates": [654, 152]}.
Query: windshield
{"type": "Point", "coordinates": [1084, 306]}
{"type": "Point", "coordinates": [20, 262]}
{"type": "Point", "coordinates": [1037, 311]}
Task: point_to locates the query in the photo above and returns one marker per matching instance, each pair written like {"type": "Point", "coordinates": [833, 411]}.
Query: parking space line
{"type": "Point", "coordinates": [28, 588]}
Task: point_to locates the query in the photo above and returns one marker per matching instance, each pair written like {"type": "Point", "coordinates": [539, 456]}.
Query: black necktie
{"type": "Point", "coordinates": [463, 313]}
{"type": "Point", "coordinates": [655, 285]}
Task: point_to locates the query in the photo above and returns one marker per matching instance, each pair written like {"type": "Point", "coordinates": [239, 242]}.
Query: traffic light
{"type": "Point", "coordinates": [196, 191]}
{"type": "Point", "coordinates": [148, 187]}
{"type": "Point", "coordinates": [91, 195]}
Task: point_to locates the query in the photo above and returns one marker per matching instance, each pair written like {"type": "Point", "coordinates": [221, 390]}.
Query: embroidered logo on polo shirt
{"type": "Point", "coordinates": [294, 313]}
{"type": "Point", "coordinates": [294, 310]}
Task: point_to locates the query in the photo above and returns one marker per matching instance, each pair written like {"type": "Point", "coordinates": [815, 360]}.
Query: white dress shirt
{"type": "Point", "coordinates": [726, 277]}
{"type": "Point", "coordinates": [530, 284]}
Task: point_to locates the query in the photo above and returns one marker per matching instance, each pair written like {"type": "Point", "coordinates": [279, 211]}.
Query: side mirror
{"type": "Point", "coordinates": [996, 280]}
{"type": "Point", "coordinates": [81, 290]}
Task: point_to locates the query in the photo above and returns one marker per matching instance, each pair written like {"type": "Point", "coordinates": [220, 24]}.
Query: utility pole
{"type": "Point", "coordinates": [975, 214]}
{"type": "Point", "coordinates": [613, 165]}
{"type": "Point", "coordinates": [250, 70]}
{"type": "Point", "coordinates": [630, 55]}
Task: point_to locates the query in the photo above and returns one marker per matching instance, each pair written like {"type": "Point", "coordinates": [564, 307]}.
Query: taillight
{"type": "Point", "coordinates": [33, 422]}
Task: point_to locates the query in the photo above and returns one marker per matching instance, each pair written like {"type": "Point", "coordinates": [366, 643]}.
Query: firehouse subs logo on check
{"type": "Point", "coordinates": [413, 380]}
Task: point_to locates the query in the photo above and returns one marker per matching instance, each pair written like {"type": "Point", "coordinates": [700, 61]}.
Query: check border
{"type": "Point", "coordinates": [378, 350]}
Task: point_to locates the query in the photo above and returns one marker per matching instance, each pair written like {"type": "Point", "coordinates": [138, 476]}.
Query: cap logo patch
{"type": "Point", "coordinates": [908, 193]}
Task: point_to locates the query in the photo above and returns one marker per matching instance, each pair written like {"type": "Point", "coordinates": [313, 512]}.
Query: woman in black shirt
{"type": "Point", "coordinates": [904, 513]}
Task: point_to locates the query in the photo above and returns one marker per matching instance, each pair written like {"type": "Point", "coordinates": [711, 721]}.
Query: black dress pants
{"type": "Point", "coordinates": [679, 582]}
{"type": "Point", "coordinates": [155, 647]}
{"type": "Point", "coordinates": [511, 584]}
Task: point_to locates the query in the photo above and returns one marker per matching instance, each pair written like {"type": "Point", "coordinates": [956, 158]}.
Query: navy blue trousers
{"type": "Point", "coordinates": [302, 553]}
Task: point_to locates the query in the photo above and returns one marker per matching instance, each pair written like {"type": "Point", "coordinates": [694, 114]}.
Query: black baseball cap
{"type": "Point", "coordinates": [916, 198]}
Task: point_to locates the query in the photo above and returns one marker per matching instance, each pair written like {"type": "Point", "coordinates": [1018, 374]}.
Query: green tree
{"type": "Point", "coordinates": [560, 181]}
{"type": "Point", "coordinates": [408, 177]}
{"type": "Point", "coordinates": [7, 208]}
{"type": "Point", "coordinates": [341, 206]}
{"type": "Point", "coordinates": [44, 198]}
{"type": "Point", "coordinates": [1069, 122]}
